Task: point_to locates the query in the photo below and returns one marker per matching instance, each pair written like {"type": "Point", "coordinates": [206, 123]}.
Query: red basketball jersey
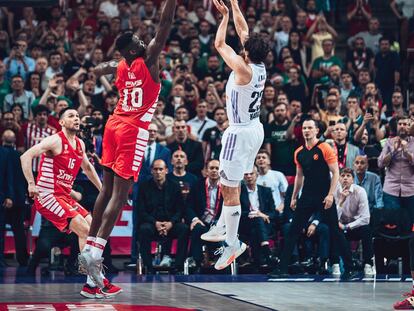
{"type": "Point", "coordinates": [138, 93]}
{"type": "Point", "coordinates": [57, 173]}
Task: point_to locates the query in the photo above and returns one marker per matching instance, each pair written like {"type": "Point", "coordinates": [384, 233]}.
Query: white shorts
{"type": "Point", "coordinates": [240, 145]}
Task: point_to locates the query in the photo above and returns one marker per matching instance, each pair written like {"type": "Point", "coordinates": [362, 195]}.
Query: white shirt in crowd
{"type": "Point", "coordinates": [276, 181]}
{"type": "Point", "coordinates": [254, 200]}
{"type": "Point", "coordinates": [198, 127]}
{"type": "Point", "coordinates": [354, 212]}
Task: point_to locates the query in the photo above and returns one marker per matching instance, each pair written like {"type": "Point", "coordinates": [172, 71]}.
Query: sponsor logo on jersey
{"type": "Point", "coordinates": [131, 75]}
{"type": "Point", "coordinates": [133, 83]}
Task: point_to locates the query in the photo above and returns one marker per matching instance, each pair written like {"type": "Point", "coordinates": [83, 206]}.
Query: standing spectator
{"type": "Point", "coordinates": [205, 210]}
{"type": "Point", "coordinates": [321, 65]}
{"type": "Point", "coordinates": [278, 144]}
{"type": "Point", "coordinates": [316, 38]}
{"type": "Point", "coordinates": [38, 130]}
{"type": "Point", "coordinates": [79, 60]}
{"type": "Point", "coordinates": [387, 70]}
{"type": "Point", "coordinates": [358, 15]}
{"type": "Point", "coordinates": [4, 83]}
{"type": "Point", "coordinates": [295, 89]}
{"type": "Point", "coordinates": [163, 122]}
{"type": "Point", "coordinates": [346, 86]}
{"type": "Point", "coordinates": [371, 182]}
{"type": "Point", "coordinates": [398, 157]}
{"type": "Point", "coordinates": [370, 37]}
{"type": "Point", "coordinates": [192, 148]}
{"type": "Point", "coordinates": [359, 57]}
{"type": "Point", "coordinates": [55, 66]}
{"type": "Point", "coordinates": [16, 213]}
{"type": "Point", "coordinates": [354, 216]}
{"type": "Point", "coordinates": [18, 63]}
{"type": "Point", "coordinates": [274, 180]}
{"type": "Point", "coordinates": [345, 151]}
{"type": "Point", "coordinates": [19, 96]}
{"type": "Point", "coordinates": [200, 123]}
{"type": "Point", "coordinates": [110, 8]}
{"type": "Point", "coordinates": [9, 122]}
{"type": "Point", "coordinates": [160, 210]}
{"type": "Point", "coordinates": [212, 137]}
{"type": "Point", "coordinates": [258, 217]}
{"type": "Point", "coordinates": [403, 10]}
{"type": "Point", "coordinates": [281, 37]}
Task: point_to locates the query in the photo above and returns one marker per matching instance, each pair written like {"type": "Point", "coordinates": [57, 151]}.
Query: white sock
{"type": "Point", "coordinates": [220, 221]}
{"type": "Point", "coordinates": [89, 243]}
{"type": "Point", "coordinates": [90, 282]}
{"type": "Point", "coordinates": [231, 217]}
{"type": "Point", "coordinates": [98, 248]}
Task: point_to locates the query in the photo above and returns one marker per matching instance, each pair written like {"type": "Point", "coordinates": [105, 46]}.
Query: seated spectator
{"type": "Point", "coordinates": [274, 180]}
{"type": "Point", "coordinates": [371, 182]}
{"type": "Point", "coordinates": [200, 123]}
{"type": "Point", "coordinates": [160, 210]}
{"type": "Point", "coordinates": [398, 157]}
{"type": "Point", "coordinates": [163, 122]}
{"type": "Point", "coordinates": [19, 96]}
{"type": "Point", "coordinates": [370, 37]}
{"type": "Point", "coordinates": [212, 137]}
{"type": "Point", "coordinates": [374, 126]}
{"type": "Point", "coordinates": [192, 148]}
{"type": "Point", "coordinates": [331, 116]}
{"type": "Point", "coordinates": [346, 86]}
{"type": "Point", "coordinates": [258, 217]}
{"type": "Point", "coordinates": [363, 77]}
{"type": "Point", "coordinates": [78, 61]}
{"type": "Point", "coordinates": [345, 152]}
{"type": "Point", "coordinates": [205, 210]}
{"type": "Point", "coordinates": [179, 175]}
{"type": "Point", "coordinates": [295, 89]}
{"type": "Point", "coordinates": [354, 216]}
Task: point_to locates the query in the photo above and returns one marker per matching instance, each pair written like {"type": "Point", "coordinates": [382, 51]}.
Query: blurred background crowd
{"type": "Point", "coordinates": [347, 64]}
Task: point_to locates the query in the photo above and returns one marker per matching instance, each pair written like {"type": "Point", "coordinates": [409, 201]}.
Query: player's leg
{"type": "Point", "coordinates": [80, 226]}
{"type": "Point", "coordinates": [102, 201]}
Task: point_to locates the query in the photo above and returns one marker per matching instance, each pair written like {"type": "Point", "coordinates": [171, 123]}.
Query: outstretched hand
{"type": "Point", "coordinates": [221, 7]}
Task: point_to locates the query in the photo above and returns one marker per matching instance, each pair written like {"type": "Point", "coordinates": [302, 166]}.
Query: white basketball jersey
{"type": "Point", "coordinates": [243, 101]}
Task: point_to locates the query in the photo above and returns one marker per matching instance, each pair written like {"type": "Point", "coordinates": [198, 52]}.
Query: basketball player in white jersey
{"type": "Point", "coordinates": [242, 139]}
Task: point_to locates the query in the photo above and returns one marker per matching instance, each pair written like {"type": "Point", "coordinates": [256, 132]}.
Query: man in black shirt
{"type": "Point", "coordinates": [160, 210]}
{"type": "Point", "coordinates": [78, 61]}
{"type": "Point", "coordinates": [277, 144]}
{"type": "Point", "coordinates": [212, 136]}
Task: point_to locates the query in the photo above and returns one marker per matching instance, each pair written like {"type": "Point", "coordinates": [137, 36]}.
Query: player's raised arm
{"type": "Point", "coordinates": [157, 44]}
{"type": "Point", "coordinates": [106, 68]}
{"type": "Point", "coordinates": [239, 21]}
{"type": "Point", "coordinates": [234, 61]}
{"type": "Point", "coordinates": [48, 144]}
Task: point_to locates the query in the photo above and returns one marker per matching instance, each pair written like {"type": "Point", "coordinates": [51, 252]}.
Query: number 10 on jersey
{"type": "Point", "coordinates": [132, 96]}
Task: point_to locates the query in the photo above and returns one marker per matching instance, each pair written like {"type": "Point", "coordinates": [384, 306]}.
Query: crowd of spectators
{"type": "Point", "coordinates": [358, 93]}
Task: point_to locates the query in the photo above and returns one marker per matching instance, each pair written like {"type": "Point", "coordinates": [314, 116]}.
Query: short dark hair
{"type": "Point", "coordinates": [257, 47]}
{"type": "Point", "coordinates": [346, 170]}
{"type": "Point", "coordinates": [124, 40]}
{"type": "Point", "coordinates": [63, 111]}
{"type": "Point", "coordinates": [39, 109]}
{"type": "Point", "coordinates": [218, 108]}
{"type": "Point", "coordinates": [265, 152]}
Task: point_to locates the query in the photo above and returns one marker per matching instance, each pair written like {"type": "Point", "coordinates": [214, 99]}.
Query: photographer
{"type": "Point", "coordinates": [19, 96]}
{"type": "Point", "coordinates": [18, 63]}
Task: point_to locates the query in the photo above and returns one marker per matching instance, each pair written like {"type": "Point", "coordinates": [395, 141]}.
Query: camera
{"type": "Point", "coordinates": [87, 132]}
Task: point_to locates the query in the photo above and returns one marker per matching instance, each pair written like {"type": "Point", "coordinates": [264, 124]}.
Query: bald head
{"type": "Point", "coordinates": [8, 138]}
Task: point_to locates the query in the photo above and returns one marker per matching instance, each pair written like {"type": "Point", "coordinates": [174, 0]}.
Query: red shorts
{"type": "Point", "coordinates": [59, 210]}
{"type": "Point", "coordinates": [123, 147]}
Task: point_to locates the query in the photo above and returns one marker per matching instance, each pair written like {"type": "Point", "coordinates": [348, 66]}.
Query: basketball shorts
{"type": "Point", "coordinates": [123, 148]}
{"type": "Point", "coordinates": [59, 210]}
{"type": "Point", "coordinates": [240, 145]}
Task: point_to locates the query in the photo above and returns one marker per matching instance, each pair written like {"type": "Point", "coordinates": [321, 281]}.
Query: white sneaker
{"type": "Point", "coordinates": [368, 271]}
{"type": "Point", "coordinates": [215, 234]}
{"type": "Point", "coordinates": [92, 267]}
{"type": "Point", "coordinates": [336, 271]}
{"type": "Point", "coordinates": [166, 261]}
{"type": "Point", "coordinates": [229, 254]}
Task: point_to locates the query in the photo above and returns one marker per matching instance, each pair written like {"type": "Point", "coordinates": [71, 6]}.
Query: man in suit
{"type": "Point", "coordinates": [258, 216]}
{"type": "Point", "coordinates": [160, 210]}
{"type": "Point", "coordinates": [15, 214]}
{"type": "Point", "coordinates": [192, 148]}
{"type": "Point", "coordinates": [205, 208]}
{"type": "Point", "coordinates": [154, 151]}
{"type": "Point", "coordinates": [7, 196]}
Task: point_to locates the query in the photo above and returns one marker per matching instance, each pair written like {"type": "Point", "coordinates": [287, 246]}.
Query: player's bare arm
{"type": "Point", "coordinates": [89, 169]}
{"type": "Point", "coordinates": [106, 68]}
{"type": "Point", "coordinates": [240, 22]}
{"type": "Point", "coordinates": [158, 42]}
{"type": "Point", "coordinates": [242, 70]}
{"type": "Point", "coordinates": [51, 144]}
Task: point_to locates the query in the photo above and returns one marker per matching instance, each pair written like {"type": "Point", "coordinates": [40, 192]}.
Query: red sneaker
{"type": "Point", "coordinates": [89, 291]}
{"type": "Point", "coordinates": [406, 304]}
{"type": "Point", "coordinates": [109, 290]}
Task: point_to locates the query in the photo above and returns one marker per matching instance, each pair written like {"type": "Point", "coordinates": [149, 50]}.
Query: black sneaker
{"type": "Point", "coordinates": [349, 275]}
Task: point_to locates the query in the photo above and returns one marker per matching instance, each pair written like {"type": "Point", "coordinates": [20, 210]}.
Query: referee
{"type": "Point", "coordinates": [315, 162]}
